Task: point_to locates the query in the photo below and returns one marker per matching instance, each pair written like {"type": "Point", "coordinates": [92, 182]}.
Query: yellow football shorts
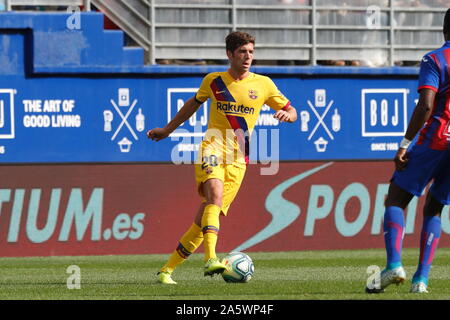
{"type": "Point", "coordinates": [231, 175]}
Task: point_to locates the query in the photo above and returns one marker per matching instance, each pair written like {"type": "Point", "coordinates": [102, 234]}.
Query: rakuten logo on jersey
{"type": "Point", "coordinates": [230, 108]}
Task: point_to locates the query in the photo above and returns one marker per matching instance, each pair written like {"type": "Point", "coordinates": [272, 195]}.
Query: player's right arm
{"type": "Point", "coordinates": [420, 116]}
{"type": "Point", "coordinates": [429, 80]}
{"type": "Point", "coordinates": [182, 115]}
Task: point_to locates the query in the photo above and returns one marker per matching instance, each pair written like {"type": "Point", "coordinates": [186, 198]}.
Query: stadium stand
{"type": "Point", "coordinates": [366, 33]}
{"type": "Point", "coordinates": [56, 50]}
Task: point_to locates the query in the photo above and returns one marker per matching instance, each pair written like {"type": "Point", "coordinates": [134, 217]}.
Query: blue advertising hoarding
{"type": "Point", "coordinates": [54, 114]}
{"type": "Point", "coordinates": [102, 120]}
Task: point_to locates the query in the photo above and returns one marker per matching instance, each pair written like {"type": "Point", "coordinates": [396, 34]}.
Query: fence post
{"type": "Point", "coordinates": [87, 5]}
{"type": "Point", "coordinates": [233, 16]}
{"type": "Point", "coordinates": [313, 57]}
{"type": "Point", "coordinates": [152, 33]}
{"type": "Point", "coordinates": [391, 33]}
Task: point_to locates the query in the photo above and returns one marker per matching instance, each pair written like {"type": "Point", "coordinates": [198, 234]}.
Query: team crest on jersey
{"type": "Point", "coordinates": [253, 94]}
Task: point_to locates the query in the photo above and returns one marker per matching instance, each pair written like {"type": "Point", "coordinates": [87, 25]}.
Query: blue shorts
{"type": "Point", "coordinates": [425, 165]}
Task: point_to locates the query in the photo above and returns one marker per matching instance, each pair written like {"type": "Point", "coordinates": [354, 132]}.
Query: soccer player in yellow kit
{"type": "Point", "coordinates": [237, 96]}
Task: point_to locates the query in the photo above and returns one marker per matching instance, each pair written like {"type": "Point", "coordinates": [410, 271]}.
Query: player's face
{"type": "Point", "coordinates": [241, 59]}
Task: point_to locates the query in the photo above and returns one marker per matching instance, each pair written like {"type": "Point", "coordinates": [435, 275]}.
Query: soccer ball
{"type": "Point", "coordinates": [240, 267]}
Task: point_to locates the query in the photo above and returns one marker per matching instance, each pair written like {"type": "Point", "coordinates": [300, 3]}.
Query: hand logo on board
{"type": "Point", "coordinates": [123, 103]}
{"type": "Point", "coordinates": [320, 102]}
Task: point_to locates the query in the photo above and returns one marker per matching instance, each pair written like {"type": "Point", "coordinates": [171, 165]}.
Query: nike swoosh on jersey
{"type": "Point", "coordinates": [220, 90]}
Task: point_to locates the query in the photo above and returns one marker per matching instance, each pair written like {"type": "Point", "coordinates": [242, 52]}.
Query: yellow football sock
{"type": "Point", "coordinates": [210, 228]}
{"type": "Point", "coordinates": [189, 242]}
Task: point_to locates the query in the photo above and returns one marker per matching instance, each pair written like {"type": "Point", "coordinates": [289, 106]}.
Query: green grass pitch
{"type": "Point", "coordinates": [311, 275]}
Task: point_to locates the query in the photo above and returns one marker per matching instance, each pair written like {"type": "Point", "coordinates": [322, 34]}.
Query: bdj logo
{"type": "Point", "coordinates": [384, 112]}
{"type": "Point", "coordinates": [7, 128]}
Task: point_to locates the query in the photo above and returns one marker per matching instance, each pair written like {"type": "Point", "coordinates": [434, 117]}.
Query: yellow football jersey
{"type": "Point", "coordinates": [234, 109]}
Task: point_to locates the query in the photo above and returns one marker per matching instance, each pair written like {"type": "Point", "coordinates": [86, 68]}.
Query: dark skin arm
{"type": "Point", "coordinates": [420, 116]}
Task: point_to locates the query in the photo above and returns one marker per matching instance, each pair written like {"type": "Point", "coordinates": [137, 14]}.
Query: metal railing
{"type": "Point", "coordinates": [374, 32]}
{"type": "Point", "coordinates": [85, 3]}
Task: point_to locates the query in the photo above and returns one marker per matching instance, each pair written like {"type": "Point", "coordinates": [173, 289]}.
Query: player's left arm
{"type": "Point", "coordinates": [276, 100]}
{"type": "Point", "coordinates": [286, 115]}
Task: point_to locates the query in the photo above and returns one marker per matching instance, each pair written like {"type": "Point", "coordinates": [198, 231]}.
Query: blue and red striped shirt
{"type": "Point", "coordinates": [435, 75]}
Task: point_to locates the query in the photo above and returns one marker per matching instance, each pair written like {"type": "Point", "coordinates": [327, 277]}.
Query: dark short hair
{"type": "Point", "coordinates": [447, 23]}
{"type": "Point", "coordinates": [236, 39]}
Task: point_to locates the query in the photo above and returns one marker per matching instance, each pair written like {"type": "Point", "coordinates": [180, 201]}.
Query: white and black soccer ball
{"type": "Point", "coordinates": [240, 267]}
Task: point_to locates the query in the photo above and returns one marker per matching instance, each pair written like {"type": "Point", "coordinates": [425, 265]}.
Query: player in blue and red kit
{"type": "Point", "coordinates": [427, 160]}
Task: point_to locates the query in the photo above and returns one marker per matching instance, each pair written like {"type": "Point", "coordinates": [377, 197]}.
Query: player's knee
{"type": "Point", "coordinates": [213, 190]}
{"type": "Point", "coordinates": [216, 200]}
{"type": "Point", "coordinates": [392, 201]}
{"type": "Point", "coordinates": [432, 207]}
{"type": "Point", "coordinates": [397, 197]}
{"type": "Point", "coordinates": [214, 195]}
{"type": "Point", "coordinates": [400, 203]}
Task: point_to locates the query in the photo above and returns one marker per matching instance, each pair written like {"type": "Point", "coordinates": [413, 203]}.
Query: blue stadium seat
{"type": "Point", "coordinates": [59, 46]}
